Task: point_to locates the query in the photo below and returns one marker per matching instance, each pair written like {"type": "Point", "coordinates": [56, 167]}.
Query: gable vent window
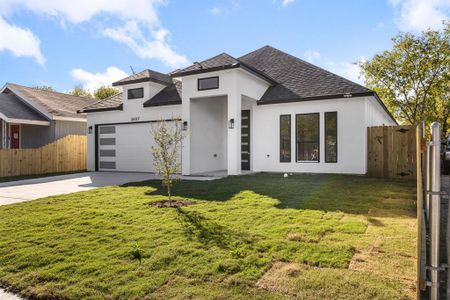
{"type": "Point", "coordinates": [136, 93]}
{"type": "Point", "coordinates": [209, 83]}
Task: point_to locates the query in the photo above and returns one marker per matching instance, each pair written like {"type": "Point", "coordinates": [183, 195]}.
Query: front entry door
{"type": "Point", "coordinates": [245, 140]}
{"type": "Point", "coordinates": [15, 136]}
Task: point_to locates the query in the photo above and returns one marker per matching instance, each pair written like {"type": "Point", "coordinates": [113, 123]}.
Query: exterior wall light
{"type": "Point", "coordinates": [185, 125]}
{"type": "Point", "coordinates": [231, 124]}
{"type": "Point", "coordinates": [90, 130]}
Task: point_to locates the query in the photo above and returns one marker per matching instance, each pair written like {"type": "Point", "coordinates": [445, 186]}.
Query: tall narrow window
{"type": "Point", "coordinates": [285, 138]}
{"type": "Point", "coordinates": [307, 129]}
{"type": "Point", "coordinates": [331, 137]}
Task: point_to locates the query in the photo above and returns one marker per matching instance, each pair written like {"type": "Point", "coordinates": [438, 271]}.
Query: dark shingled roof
{"type": "Point", "coordinates": [110, 103]}
{"type": "Point", "coordinates": [14, 108]}
{"type": "Point", "coordinates": [146, 75]}
{"type": "Point", "coordinates": [54, 103]}
{"type": "Point", "coordinates": [168, 96]}
{"type": "Point", "coordinates": [218, 62]}
{"type": "Point", "coordinates": [297, 79]}
{"type": "Point", "coordinates": [290, 78]}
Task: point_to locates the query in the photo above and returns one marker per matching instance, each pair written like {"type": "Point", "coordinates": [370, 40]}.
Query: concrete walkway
{"type": "Point", "coordinates": [31, 189]}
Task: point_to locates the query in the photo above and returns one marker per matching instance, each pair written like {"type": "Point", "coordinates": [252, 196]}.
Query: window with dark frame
{"type": "Point", "coordinates": [209, 83]}
{"type": "Point", "coordinates": [285, 138]}
{"type": "Point", "coordinates": [136, 93]}
{"type": "Point", "coordinates": [331, 137]}
{"type": "Point", "coordinates": [308, 137]}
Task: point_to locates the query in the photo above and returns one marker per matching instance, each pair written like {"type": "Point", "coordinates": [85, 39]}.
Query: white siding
{"type": "Point", "coordinates": [133, 111]}
{"type": "Point", "coordinates": [351, 136]}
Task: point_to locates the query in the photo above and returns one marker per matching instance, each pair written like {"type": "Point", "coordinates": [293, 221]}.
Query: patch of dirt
{"type": "Point", "coordinates": [172, 203]}
{"type": "Point", "coordinates": [275, 278]}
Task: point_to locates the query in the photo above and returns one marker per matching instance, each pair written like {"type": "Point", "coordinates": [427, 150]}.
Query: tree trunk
{"type": "Point", "coordinates": [168, 192]}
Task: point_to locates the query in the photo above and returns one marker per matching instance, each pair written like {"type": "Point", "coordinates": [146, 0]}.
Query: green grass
{"type": "Point", "coordinates": [350, 237]}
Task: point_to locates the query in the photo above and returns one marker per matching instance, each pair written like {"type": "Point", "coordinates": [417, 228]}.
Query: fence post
{"type": "Point", "coordinates": [435, 209]}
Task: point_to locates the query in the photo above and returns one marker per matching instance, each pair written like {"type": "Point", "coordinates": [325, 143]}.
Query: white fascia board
{"type": "Point", "coordinates": [23, 121]}
{"type": "Point", "coordinates": [56, 118]}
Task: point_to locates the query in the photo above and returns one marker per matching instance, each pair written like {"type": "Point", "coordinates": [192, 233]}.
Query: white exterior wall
{"type": "Point", "coordinates": [376, 115]}
{"type": "Point", "coordinates": [352, 134]}
{"type": "Point", "coordinates": [234, 84]}
{"type": "Point", "coordinates": [208, 134]}
{"type": "Point", "coordinates": [133, 111]}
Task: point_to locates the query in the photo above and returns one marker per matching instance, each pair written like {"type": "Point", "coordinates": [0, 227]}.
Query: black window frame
{"type": "Point", "coordinates": [132, 98]}
{"type": "Point", "coordinates": [318, 139]}
{"type": "Point", "coordinates": [325, 136]}
{"type": "Point", "coordinates": [286, 160]}
{"type": "Point", "coordinates": [207, 89]}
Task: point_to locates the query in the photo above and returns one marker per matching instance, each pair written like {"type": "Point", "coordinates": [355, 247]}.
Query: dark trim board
{"type": "Point", "coordinates": [330, 97]}
{"type": "Point", "coordinates": [123, 123]}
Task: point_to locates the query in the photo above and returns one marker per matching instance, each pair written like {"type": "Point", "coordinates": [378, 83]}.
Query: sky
{"type": "Point", "coordinates": [91, 43]}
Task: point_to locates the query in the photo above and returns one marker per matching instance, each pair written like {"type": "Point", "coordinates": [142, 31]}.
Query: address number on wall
{"type": "Point", "coordinates": [133, 119]}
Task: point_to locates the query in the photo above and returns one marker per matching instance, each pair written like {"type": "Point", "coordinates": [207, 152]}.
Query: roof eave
{"type": "Point", "coordinates": [161, 104]}
{"type": "Point", "coordinates": [120, 107]}
{"type": "Point", "coordinates": [120, 83]}
{"type": "Point", "coordinates": [201, 71]}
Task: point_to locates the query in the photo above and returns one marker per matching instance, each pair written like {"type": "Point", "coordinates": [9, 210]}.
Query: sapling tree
{"type": "Point", "coordinates": [168, 136]}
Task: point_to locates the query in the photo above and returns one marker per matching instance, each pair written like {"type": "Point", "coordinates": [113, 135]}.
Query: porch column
{"type": "Point", "coordinates": [186, 144]}
{"type": "Point", "coordinates": [234, 134]}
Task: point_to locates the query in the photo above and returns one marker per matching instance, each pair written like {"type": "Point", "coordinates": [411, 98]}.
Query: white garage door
{"type": "Point", "coordinates": [125, 147]}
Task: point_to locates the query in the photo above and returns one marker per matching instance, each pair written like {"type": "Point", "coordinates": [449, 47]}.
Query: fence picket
{"type": "Point", "coordinates": [391, 151]}
{"type": "Point", "coordinates": [67, 154]}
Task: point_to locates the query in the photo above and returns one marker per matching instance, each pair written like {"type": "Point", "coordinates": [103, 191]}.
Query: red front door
{"type": "Point", "coordinates": [15, 136]}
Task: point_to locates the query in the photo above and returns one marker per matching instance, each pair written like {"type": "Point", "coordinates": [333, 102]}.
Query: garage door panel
{"type": "Point", "coordinates": [133, 147]}
{"type": "Point", "coordinates": [126, 147]}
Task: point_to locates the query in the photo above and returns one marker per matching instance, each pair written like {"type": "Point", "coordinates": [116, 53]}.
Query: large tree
{"type": "Point", "coordinates": [413, 77]}
{"type": "Point", "coordinates": [79, 91]}
{"type": "Point", "coordinates": [104, 92]}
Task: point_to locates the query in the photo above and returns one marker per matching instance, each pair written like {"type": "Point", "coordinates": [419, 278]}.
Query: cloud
{"type": "Point", "coordinates": [418, 15]}
{"type": "Point", "coordinates": [158, 48]}
{"type": "Point", "coordinates": [19, 41]}
{"type": "Point", "coordinates": [311, 55]}
{"type": "Point", "coordinates": [139, 13]}
{"type": "Point", "coordinates": [92, 81]}
{"type": "Point", "coordinates": [349, 70]}
{"type": "Point", "coordinates": [217, 12]}
{"type": "Point", "coordinates": [287, 2]}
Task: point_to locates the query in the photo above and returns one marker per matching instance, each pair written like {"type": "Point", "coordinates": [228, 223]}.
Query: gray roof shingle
{"type": "Point", "coordinates": [221, 61]}
{"type": "Point", "coordinates": [144, 76]}
{"type": "Point", "coordinates": [110, 103]}
{"type": "Point", "coordinates": [54, 103]}
{"type": "Point", "coordinates": [297, 79]}
{"type": "Point", "coordinates": [170, 95]}
{"type": "Point", "coordinates": [14, 108]}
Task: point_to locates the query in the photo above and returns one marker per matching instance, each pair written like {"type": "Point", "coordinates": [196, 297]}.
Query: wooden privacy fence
{"type": "Point", "coordinates": [67, 154]}
{"type": "Point", "coordinates": [392, 152]}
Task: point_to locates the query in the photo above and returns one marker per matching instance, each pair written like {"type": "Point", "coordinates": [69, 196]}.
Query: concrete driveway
{"type": "Point", "coordinates": [31, 189]}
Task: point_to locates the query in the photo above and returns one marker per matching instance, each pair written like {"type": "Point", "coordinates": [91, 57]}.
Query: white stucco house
{"type": "Point", "coordinates": [265, 111]}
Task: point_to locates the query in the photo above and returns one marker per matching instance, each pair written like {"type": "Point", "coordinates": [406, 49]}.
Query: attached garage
{"type": "Point", "coordinates": [125, 147]}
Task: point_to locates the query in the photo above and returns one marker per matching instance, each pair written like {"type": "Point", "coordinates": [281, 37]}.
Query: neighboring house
{"type": "Point", "coordinates": [31, 118]}
{"type": "Point", "coordinates": [264, 111]}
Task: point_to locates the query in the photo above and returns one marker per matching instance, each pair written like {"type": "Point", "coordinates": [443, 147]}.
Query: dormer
{"type": "Point", "coordinates": [139, 88]}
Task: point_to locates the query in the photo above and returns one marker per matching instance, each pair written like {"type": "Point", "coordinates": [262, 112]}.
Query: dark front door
{"type": "Point", "coordinates": [245, 140]}
{"type": "Point", "coordinates": [15, 136]}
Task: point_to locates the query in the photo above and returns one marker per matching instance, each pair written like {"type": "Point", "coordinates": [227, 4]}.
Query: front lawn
{"type": "Point", "coordinates": [258, 236]}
